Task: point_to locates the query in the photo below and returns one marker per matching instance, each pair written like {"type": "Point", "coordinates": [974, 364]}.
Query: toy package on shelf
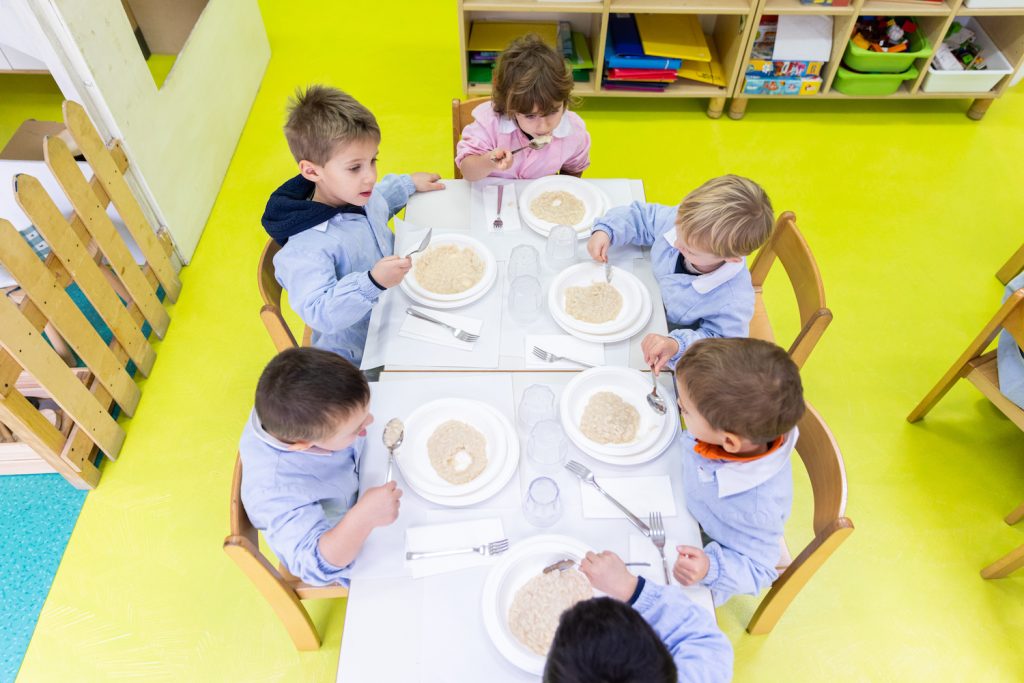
{"type": "Point", "coordinates": [756, 84]}
{"type": "Point", "coordinates": [768, 76]}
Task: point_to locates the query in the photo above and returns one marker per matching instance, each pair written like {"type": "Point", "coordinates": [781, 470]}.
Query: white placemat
{"type": "Point", "coordinates": [509, 207]}
{"type": "Point", "coordinates": [449, 537]}
{"type": "Point", "coordinates": [641, 495]}
{"type": "Point", "coordinates": [423, 330]}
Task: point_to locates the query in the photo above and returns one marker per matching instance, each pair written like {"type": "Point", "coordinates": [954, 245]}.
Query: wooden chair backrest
{"type": "Point", "coordinates": [462, 116]}
{"type": "Point", "coordinates": [270, 292]}
{"type": "Point", "coordinates": [789, 247]}
{"type": "Point", "coordinates": [820, 454]}
{"type": "Point", "coordinates": [1012, 266]}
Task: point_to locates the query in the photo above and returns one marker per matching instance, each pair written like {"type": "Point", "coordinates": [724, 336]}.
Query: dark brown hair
{"type": "Point", "coordinates": [304, 392]}
{"type": "Point", "coordinates": [321, 118]}
{"type": "Point", "coordinates": [748, 387]}
{"type": "Point", "coordinates": [531, 76]}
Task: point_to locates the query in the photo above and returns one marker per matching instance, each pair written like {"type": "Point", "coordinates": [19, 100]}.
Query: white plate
{"type": "Point", "coordinates": [630, 385]}
{"type": "Point", "coordinates": [664, 441]}
{"type": "Point", "coordinates": [583, 274]}
{"type": "Point", "coordinates": [417, 293]}
{"type": "Point", "coordinates": [524, 561]}
{"type": "Point", "coordinates": [594, 199]}
{"type": "Point", "coordinates": [492, 488]}
{"type": "Point", "coordinates": [412, 458]}
{"type": "Point", "coordinates": [639, 324]}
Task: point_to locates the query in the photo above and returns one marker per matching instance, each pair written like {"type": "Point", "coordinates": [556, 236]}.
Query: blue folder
{"type": "Point", "coordinates": [616, 60]}
{"type": "Point", "coordinates": [624, 35]}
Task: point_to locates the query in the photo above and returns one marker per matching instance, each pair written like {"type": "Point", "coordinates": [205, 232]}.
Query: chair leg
{"type": "Point", "coordinates": [1005, 565]}
{"type": "Point", "coordinates": [1016, 515]}
{"type": "Point", "coordinates": [937, 392]}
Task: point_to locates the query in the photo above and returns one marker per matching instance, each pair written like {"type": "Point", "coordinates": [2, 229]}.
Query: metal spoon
{"type": "Point", "coordinates": [394, 434]}
{"type": "Point", "coordinates": [539, 142]}
{"type": "Point", "coordinates": [653, 400]}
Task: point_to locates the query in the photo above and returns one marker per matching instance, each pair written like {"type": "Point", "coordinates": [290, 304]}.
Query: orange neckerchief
{"type": "Point", "coordinates": [713, 452]}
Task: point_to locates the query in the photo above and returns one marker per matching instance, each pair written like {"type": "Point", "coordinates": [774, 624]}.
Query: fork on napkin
{"type": "Point", "coordinates": [451, 535]}
{"type": "Point", "coordinates": [565, 346]}
{"type": "Point", "coordinates": [509, 207]}
{"type": "Point", "coordinates": [415, 328]}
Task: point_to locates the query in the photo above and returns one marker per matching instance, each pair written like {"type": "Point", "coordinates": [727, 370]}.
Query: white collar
{"type": "Point", "coordinates": [272, 441]}
{"type": "Point", "coordinates": [507, 125]}
{"type": "Point", "coordinates": [720, 275]}
{"type": "Point", "coordinates": [737, 477]}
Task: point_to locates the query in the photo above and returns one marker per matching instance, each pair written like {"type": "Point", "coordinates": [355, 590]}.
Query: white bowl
{"type": "Point", "coordinates": [594, 199]}
{"type": "Point", "coordinates": [583, 274]}
{"type": "Point", "coordinates": [411, 286]}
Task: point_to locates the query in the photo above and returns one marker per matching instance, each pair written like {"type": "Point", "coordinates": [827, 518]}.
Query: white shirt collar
{"type": "Point", "coordinates": [708, 281]}
{"type": "Point", "coordinates": [737, 477]}
{"type": "Point", "coordinates": [507, 125]}
{"type": "Point", "coordinates": [276, 443]}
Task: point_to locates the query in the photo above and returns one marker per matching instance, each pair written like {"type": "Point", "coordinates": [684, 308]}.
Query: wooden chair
{"type": "Point", "coordinates": [979, 367]}
{"type": "Point", "coordinates": [462, 116]}
{"type": "Point", "coordinates": [789, 247]}
{"type": "Point", "coordinates": [281, 589]}
{"type": "Point", "coordinates": [1012, 267]}
{"type": "Point", "coordinates": [270, 292]}
{"type": "Point", "coordinates": [820, 454]}
{"type": "Point", "coordinates": [1013, 560]}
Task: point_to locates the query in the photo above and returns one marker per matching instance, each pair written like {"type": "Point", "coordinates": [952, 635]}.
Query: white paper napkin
{"type": "Point", "coordinates": [562, 345]}
{"type": "Point", "coordinates": [509, 208]}
{"type": "Point", "coordinates": [450, 537]}
{"type": "Point", "coordinates": [414, 328]}
{"type": "Point", "coordinates": [641, 495]}
{"type": "Point", "coordinates": [408, 236]}
{"type": "Point", "coordinates": [642, 550]}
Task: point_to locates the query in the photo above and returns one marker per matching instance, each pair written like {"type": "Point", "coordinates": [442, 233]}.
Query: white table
{"type": "Point", "coordinates": [458, 208]}
{"type": "Point", "coordinates": [402, 629]}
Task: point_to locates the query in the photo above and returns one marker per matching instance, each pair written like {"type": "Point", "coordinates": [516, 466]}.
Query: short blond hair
{"type": "Point", "coordinates": [729, 216]}
{"type": "Point", "coordinates": [321, 118]}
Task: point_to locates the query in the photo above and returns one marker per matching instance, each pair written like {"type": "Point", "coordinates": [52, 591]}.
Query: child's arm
{"type": "Point", "coordinates": [731, 320]}
{"type": "Point", "coordinates": [580, 161]}
{"type": "Point", "coordinates": [699, 648]}
{"type": "Point", "coordinates": [728, 572]}
{"type": "Point", "coordinates": [378, 506]}
{"type": "Point", "coordinates": [638, 223]}
{"type": "Point", "coordinates": [477, 154]}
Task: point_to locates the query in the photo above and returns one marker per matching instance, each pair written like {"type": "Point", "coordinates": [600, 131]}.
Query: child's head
{"type": "Point", "coordinates": [738, 393]}
{"type": "Point", "coordinates": [310, 397]}
{"type": "Point", "coordinates": [603, 639]}
{"type": "Point", "coordinates": [724, 219]}
{"type": "Point", "coordinates": [532, 84]}
{"type": "Point", "coordinates": [334, 139]}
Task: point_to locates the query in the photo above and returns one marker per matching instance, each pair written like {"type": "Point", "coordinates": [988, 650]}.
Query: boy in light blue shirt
{"type": "Point", "coordinates": [337, 254]}
{"type": "Point", "coordinates": [741, 400]}
{"type": "Point", "coordinates": [300, 455]}
{"type": "Point", "coordinates": [698, 252]}
{"type": "Point", "coordinates": [641, 632]}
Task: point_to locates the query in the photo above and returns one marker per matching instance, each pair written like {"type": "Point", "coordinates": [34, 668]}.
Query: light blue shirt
{"type": "Point", "coordinates": [325, 269]}
{"type": "Point", "coordinates": [743, 506]}
{"type": "Point", "coordinates": [716, 304]}
{"type": "Point", "coordinates": [1009, 357]}
{"type": "Point", "coordinates": [700, 650]}
{"type": "Point", "coordinates": [293, 497]}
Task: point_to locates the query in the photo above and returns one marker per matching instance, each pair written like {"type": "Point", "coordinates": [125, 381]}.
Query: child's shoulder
{"type": "Point", "coordinates": [484, 113]}
{"type": "Point", "coordinates": [576, 121]}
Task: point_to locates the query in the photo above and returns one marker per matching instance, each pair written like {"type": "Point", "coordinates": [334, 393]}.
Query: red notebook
{"type": "Point", "coordinates": [643, 74]}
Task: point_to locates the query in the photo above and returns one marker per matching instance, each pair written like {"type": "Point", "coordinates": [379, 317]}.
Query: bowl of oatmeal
{"type": "Point", "coordinates": [562, 200]}
{"type": "Point", "coordinates": [580, 299]}
{"type": "Point", "coordinates": [453, 271]}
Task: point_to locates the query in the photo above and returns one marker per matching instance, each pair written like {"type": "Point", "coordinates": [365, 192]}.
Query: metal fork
{"type": "Point", "coordinates": [587, 477]}
{"type": "Point", "coordinates": [658, 539]}
{"type": "Point", "coordinates": [549, 357]}
{"type": "Point", "coordinates": [497, 218]}
{"type": "Point", "coordinates": [492, 548]}
{"type": "Point", "coordinates": [460, 334]}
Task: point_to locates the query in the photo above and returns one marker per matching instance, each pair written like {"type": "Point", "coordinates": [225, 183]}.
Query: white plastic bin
{"type": "Point", "coordinates": [938, 80]}
{"type": "Point", "coordinates": [988, 4]}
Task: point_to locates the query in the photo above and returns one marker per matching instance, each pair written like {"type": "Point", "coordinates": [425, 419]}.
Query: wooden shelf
{"type": "Point", "coordinates": [797, 7]}
{"type": "Point", "coordinates": [683, 6]}
{"type": "Point", "coordinates": [531, 6]}
{"type": "Point", "coordinates": [910, 8]}
{"type": "Point", "coordinates": [966, 11]}
{"type": "Point", "coordinates": [681, 88]}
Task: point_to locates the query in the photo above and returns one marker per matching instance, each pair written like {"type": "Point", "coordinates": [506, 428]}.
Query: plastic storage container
{"type": "Point", "coordinates": [939, 80]}
{"type": "Point", "coordinates": [853, 83]}
{"type": "Point", "coordinates": [859, 59]}
{"type": "Point", "coordinates": [988, 4]}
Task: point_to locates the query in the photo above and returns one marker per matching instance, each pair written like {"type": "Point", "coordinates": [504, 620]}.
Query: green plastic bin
{"type": "Point", "coordinates": [854, 83]}
{"type": "Point", "coordinates": [859, 59]}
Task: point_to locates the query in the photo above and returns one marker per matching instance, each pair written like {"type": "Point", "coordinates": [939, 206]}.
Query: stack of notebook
{"type": "Point", "coordinates": [649, 52]}
{"type": "Point", "coordinates": [488, 38]}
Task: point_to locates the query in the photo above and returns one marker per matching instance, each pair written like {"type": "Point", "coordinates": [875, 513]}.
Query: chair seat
{"type": "Point", "coordinates": [984, 374]}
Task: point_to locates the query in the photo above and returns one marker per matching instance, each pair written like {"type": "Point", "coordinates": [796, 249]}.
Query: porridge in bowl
{"type": "Point", "coordinates": [560, 207]}
{"type": "Point", "coordinates": [596, 303]}
{"type": "Point", "coordinates": [448, 269]}
{"type": "Point", "coordinates": [607, 419]}
{"type": "Point", "coordinates": [538, 604]}
{"type": "Point", "coordinates": [457, 452]}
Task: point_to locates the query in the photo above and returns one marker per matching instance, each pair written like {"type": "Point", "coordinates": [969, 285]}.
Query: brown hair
{"type": "Point", "coordinates": [304, 392]}
{"type": "Point", "coordinates": [745, 386]}
{"type": "Point", "coordinates": [321, 118]}
{"type": "Point", "coordinates": [531, 76]}
{"type": "Point", "coordinates": [729, 216]}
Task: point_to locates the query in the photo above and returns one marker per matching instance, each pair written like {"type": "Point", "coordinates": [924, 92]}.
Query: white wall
{"type": "Point", "coordinates": [180, 137]}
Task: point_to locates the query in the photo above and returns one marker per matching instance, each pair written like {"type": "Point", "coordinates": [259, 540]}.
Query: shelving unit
{"type": "Point", "coordinates": [727, 21]}
{"type": "Point", "coordinates": [1005, 26]}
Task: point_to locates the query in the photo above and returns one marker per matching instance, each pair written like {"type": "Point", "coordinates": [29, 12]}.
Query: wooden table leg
{"type": "Point", "coordinates": [716, 105]}
{"type": "Point", "coordinates": [738, 107]}
{"type": "Point", "coordinates": [978, 109]}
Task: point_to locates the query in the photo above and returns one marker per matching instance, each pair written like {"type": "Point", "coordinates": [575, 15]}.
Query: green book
{"type": "Point", "coordinates": [581, 58]}
{"type": "Point", "coordinates": [478, 73]}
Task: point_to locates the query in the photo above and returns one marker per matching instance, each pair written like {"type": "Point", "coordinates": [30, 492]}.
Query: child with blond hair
{"type": "Point", "coordinates": [698, 252]}
{"type": "Point", "coordinates": [529, 101]}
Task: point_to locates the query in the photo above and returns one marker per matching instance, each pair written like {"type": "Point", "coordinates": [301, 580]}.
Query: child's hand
{"type": "Point", "coordinates": [607, 572]}
{"type": "Point", "coordinates": [597, 246]}
{"type": "Point", "coordinates": [390, 270]}
{"type": "Point", "coordinates": [426, 182]}
{"type": "Point", "coordinates": [691, 566]}
{"type": "Point", "coordinates": [501, 159]}
{"type": "Point", "coordinates": [658, 350]}
{"type": "Point", "coordinates": [378, 506]}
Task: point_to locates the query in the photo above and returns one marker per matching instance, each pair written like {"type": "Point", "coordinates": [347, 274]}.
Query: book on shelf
{"type": "Point", "coordinates": [613, 59]}
{"type": "Point", "coordinates": [494, 36]}
{"type": "Point", "coordinates": [624, 36]}
{"type": "Point", "coordinates": [673, 35]}
{"type": "Point", "coordinates": [617, 74]}
{"type": "Point", "coordinates": [634, 86]}
{"type": "Point", "coordinates": [709, 72]}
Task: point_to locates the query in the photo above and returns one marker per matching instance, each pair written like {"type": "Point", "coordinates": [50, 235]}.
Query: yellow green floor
{"type": "Point", "coordinates": [909, 207]}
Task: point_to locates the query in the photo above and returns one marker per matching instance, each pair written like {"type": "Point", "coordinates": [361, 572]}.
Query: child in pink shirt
{"type": "Point", "coordinates": [530, 99]}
